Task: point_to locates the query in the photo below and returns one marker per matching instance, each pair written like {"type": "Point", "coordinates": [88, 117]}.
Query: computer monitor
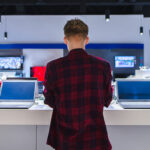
{"type": "Point", "coordinates": [18, 90]}
{"type": "Point", "coordinates": [124, 61]}
{"type": "Point", "coordinates": [11, 62]}
{"type": "Point", "coordinates": [133, 90]}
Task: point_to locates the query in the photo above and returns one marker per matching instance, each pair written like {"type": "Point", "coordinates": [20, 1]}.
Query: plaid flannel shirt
{"type": "Point", "coordinates": [77, 87]}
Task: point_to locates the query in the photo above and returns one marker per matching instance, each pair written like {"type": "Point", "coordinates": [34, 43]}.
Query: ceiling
{"type": "Point", "coordinates": [70, 7]}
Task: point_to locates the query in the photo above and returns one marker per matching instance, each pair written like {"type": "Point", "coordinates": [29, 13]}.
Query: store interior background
{"type": "Point", "coordinates": [36, 29]}
{"type": "Point", "coordinates": [49, 29]}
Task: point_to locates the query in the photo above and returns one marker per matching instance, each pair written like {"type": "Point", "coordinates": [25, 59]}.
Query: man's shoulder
{"type": "Point", "coordinates": [100, 61]}
{"type": "Point", "coordinates": [56, 61]}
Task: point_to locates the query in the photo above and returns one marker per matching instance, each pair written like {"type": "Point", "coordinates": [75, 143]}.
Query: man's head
{"type": "Point", "coordinates": [76, 34]}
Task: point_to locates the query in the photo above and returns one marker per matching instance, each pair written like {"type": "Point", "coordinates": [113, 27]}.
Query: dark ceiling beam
{"type": "Point", "coordinates": [83, 7]}
{"type": "Point", "coordinates": [52, 7]}
{"type": "Point", "coordinates": [133, 1]}
{"type": "Point", "coordinates": [117, 3]}
{"type": "Point", "coordinates": [121, 1]}
{"type": "Point", "coordinates": [40, 3]}
{"type": "Point", "coordinates": [20, 9]}
{"type": "Point", "coordinates": [51, 3]}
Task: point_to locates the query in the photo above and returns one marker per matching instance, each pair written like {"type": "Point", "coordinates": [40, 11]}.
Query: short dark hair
{"type": "Point", "coordinates": [75, 27]}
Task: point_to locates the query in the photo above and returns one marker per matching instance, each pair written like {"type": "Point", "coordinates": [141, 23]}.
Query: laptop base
{"type": "Point", "coordinates": [12, 105]}
{"type": "Point", "coordinates": [131, 105]}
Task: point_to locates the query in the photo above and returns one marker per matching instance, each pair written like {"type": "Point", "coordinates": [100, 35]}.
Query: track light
{"type": "Point", "coordinates": [141, 30]}
{"type": "Point", "coordinates": [107, 15]}
{"type": "Point", "coordinates": [107, 18]}
{"type": "Point", "coordinates": [5, 30]}
{"type": "Point", "coordinates": [5, 35]}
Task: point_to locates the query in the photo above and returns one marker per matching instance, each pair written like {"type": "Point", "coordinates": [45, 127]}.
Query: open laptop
{"type": "Point", "coordinates": [133, 93]}
{"type": "Point", "coordinates": [17, 93]}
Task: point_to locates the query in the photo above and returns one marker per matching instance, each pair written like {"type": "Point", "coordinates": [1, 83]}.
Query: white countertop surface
{"type": "Point", "coordinates": [41, 115]}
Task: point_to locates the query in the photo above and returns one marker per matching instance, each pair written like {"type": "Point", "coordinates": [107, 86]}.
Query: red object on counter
{"type": "Point", "coordinates": [38, 72]}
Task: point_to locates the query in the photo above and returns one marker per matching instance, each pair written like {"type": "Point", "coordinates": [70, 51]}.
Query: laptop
{"type": "Point", "coordinates": [39, 84]}
{"type": "Point", "coordinates": [133, 93]}
{"type": "Point", "coordinates": [17, 93]}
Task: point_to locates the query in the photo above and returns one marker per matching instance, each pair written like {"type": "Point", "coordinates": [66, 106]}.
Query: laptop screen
{"type": "Point", "coordinates": [133, 90]}
{"type": "Point", "coordinates": [17, 91]}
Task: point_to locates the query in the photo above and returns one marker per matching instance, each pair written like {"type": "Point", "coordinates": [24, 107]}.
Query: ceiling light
{"type": "Point", "coordinates": [141, 30]}
{"type": "Point", "coordinates": [107, 15]}
{"type": "Point", "coordinates": [5, 35]}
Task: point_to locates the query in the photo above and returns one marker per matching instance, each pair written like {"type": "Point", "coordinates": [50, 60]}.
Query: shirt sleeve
{"type": "Point", "coordinates": [48, 87]}
{"type": "Point", "coordinates": [108, 90]}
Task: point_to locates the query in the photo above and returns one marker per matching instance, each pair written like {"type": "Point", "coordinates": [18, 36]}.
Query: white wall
{"type": "Point", "coordinates": [120, 29]}
{"type": "Point", "coordinates": [39, 57]}
{"type": "Point", "coordinates": [49, 29]}
{"type": "Point", "coordinates": [147, 41]}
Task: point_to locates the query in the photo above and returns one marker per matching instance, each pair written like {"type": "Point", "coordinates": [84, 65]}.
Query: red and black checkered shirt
{"type": "Point", "coordinates": [77, 87]}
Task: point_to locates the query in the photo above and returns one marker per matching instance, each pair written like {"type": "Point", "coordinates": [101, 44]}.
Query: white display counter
{"type": "Point", "coordinates": [41, 115]}
{"type": "Point", "coordinates": [28, 129]}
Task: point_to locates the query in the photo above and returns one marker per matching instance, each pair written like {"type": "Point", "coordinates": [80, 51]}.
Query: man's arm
{"type": "Point", "coordinates": [108, 90]}
{"type": "Point", "coordinates": [48, 84]}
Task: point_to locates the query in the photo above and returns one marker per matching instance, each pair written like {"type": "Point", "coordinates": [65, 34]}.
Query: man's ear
{"type": "Point", "coordinates": [65, 40]}
{"type": "Point", "coordinates": [87, 40]}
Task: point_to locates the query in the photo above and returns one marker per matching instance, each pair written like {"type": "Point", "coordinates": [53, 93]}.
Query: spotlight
{"type": "Point", "coordinates": [107, 15]}
{"type": "Point", "coordinates": [141, 30]}
{"type": "Point", "coordinates": [5, 35]}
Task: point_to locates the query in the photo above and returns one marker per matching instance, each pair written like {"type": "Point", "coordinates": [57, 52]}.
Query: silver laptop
{"type": "Point", "coordinates": [133, 93]}
{"type": "Point", "coordinates": [17, 93]}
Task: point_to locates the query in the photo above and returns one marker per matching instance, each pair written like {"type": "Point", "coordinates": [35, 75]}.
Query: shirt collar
{"type": "Point", "coordinates": [77, 51]}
